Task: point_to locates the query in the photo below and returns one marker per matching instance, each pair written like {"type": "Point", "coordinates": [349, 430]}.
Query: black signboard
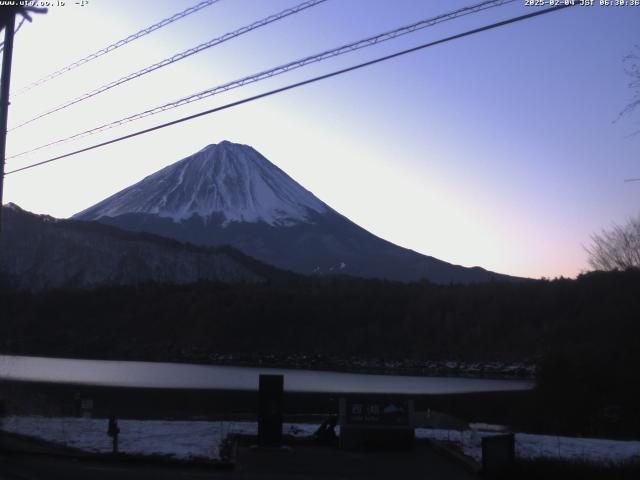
{"type": "Point", "coordinates": [377, 412]}
{"type": "Point", "coordinates": [376, 423]}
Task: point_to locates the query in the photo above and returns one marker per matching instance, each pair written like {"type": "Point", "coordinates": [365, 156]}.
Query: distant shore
{"type": "Point", "coordinates": [379, 366]}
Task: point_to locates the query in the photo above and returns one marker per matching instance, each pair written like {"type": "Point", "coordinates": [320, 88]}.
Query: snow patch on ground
{"type": "Point", "coordinates": [178, 439]}
{"type": "Point", "coordinates": [530, 446]}
{"type": "Point", "coordinates": [201, 439]}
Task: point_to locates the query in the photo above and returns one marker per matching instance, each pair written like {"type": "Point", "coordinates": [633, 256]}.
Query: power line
{"type": "Point", "coordinates": [367, 42]}
{"type": "Point", "coordinates": [298, 84]}
{"type": "Point", "coordinates": [177, 57]}
{"type": "Point", "coordinates": [118, 44]}
{"type": "Point", "coordinates": [629, 180]}
{"type": "Point", "coordinates": [22, 20]}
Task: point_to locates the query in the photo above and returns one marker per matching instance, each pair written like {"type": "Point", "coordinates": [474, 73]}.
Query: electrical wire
{"type": "Point", "coordinates": [299, 84]}
{"type": "Point", "coordinates": [177, 57]}
{"type": "Point", "coordinates": [116, 45]}
{"type": "Point", "coordinates": [22, 20]}
{"type": "Point", "coordinates": [367, 42]}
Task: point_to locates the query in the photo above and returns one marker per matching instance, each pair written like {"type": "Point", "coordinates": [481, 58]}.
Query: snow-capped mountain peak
{"type": "Point", "coordinates": [226, 178]}
{"type": "Point", "coordinates": [229, 194]}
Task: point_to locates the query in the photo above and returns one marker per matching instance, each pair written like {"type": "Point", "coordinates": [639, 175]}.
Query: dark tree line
{"type": "Point", "coordinates": [488, 321]}
{"type": "Point", "coordinates": [582, 333]}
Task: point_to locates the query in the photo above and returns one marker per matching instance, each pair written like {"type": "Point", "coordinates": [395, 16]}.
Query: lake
{"type": "Point", "coordinates": [212, 377]}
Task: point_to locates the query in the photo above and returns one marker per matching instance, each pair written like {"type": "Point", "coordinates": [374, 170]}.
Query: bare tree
{"type": "Point", "coordinates": [632, 69]}
{"type": "Point", "coordinates": [616, 249]}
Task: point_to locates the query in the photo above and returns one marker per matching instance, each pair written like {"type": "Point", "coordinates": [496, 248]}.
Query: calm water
{"type": "Point", "coordinates": [180, 375]}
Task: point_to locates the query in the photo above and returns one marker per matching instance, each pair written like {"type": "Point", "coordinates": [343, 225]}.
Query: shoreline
{"type": "Point", "coordinates": [493, 370]}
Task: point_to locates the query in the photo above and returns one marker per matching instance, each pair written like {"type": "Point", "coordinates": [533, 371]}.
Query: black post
{"type": "Point", "coordinates": [9, 31]}
{"type": "Point", "coordinates": [498, 455]}
{"type": "Point", "coordinates": [113, 431]}
{"type": "Point", "coordinates": [270, 410]}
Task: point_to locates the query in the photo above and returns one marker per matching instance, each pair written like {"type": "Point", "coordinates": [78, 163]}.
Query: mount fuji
{"type": "Point", "coordinates": [229, 194]}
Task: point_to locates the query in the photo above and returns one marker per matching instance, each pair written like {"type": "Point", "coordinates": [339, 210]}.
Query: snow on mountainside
{"type": "Point", "coordinates": [229, 179]}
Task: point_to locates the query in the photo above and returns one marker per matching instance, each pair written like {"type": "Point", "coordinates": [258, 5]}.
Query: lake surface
{"type": "Point", "coordinates": [190, 376]}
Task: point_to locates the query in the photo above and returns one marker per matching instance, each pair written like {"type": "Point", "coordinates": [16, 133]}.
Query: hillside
{"type": "Point", "coordinates": [40, 252]}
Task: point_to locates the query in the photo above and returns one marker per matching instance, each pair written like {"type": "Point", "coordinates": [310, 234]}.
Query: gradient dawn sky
{"type": "Point", "coordinates": [500, 149]}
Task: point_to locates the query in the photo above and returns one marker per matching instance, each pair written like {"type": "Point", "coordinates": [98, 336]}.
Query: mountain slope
{"type": "Point", "coordinates": [39, 252]}
{"type": "Point", "coordinates": [230, 194]}
{"type": "Point", "coordinates": [228, 179]}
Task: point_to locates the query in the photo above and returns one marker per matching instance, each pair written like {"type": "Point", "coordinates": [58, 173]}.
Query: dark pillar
{"type": "Point", "coordinates": [113, 431]}
{"type": "Point", "coordinates": [9, 30]}
{"type": "Point", "coordinates": [498, 455]}
{"type": "Point", "coordinates": [270, 407]}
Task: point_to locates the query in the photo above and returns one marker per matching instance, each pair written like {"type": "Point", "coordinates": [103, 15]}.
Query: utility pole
{"type": "Point", "coordinates": [7, 54]}
{"type": "Point", "coordinates": [8, 16]}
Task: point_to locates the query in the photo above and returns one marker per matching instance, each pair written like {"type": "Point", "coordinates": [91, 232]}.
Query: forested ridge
{"type": "Point", "coordinates": [597, 313]}
{"type": "Point", "coordinates": [583, 333]}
